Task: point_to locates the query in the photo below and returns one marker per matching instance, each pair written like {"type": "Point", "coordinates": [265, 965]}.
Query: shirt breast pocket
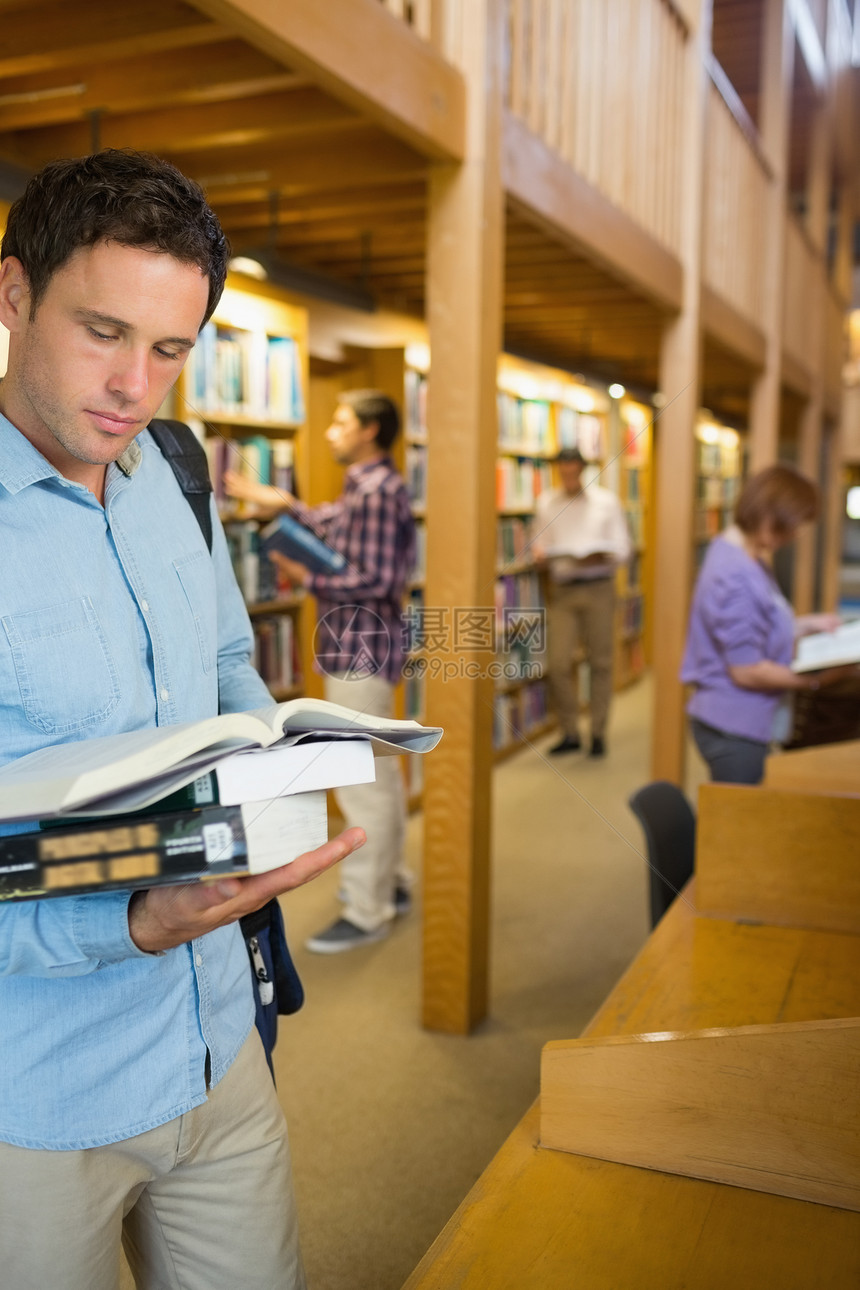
{"type": "Point", "coordinates": [197, 579]}
{"type": "Point", "coordinates": [67, 680]}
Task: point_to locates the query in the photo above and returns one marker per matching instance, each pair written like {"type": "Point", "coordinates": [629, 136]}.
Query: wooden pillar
{"type": "Point", "coordinates": [464, 290]}
{"type": "Point", "coordinates": [680, 380]}
{"type": "Point", "coordinates": [833, 516]}
{"type": "Point", "coordinates": [774, 120]}
{"type": "Point", "coordinates": [812, 419]}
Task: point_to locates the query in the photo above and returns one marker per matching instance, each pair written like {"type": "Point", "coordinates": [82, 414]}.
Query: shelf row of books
{"type": "Point", "coordinates": [583, 430]}
{"type": "Point", "coordinates": [519, 481]}
{"type": "Point", "coordinates": [629, 575]}
{"type": "Point", "coordinates": [520, 660]}
{"type": "Point", "coordinates": [720, 458]}
{"type": "Point", "coordinates": [513, 540]}
{"type": "Point", "coordinates": [263, 460]}
{"type": "Point", "coordinates": [517, 591]}
{"type": "Point", "coordinates": [539, 427]}
{"type": "Point", "coordinates": [415, 474]}
{"type": "Point", "coordinates": [520, 713]}
{"type": "Point", "coordinates": [276, 655]}
{"type": "Point", "coordinates": [630, 615]}
{"type": "Point", "coordinates": [258, 577]}
{"type": "Point", "coordinates": [708, 521]}
{"type": "Point", "coordinates": [415, 405]}
{"type": "Point", "coordinates": [525, 425]}
{"type": "Point", "coordinates": [236, 372]}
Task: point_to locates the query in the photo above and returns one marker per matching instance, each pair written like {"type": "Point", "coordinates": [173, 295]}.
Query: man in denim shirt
{"type": "Point", "coordinates": [135, 1100]}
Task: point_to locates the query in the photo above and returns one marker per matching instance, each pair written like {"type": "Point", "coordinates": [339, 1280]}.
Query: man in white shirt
{"type": "Point", "coordinates": [581, 538]}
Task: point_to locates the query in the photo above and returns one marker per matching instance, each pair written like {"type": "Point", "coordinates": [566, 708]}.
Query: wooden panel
{"type": "Point", "coordinates": [787, 860]}
{"type": "Point", "coordinates": [549, 1220]}
{"type": "Point", "coordinates": [829, 768]}
{"type": "Point", "coordinates": [736, 184]}
{"type": "Point", "coordinates": [730, 329]}
{"type": "Point", "coordinates": [716, 1104]}
{"type": "Point", "coordinates": [398, 80]}
{"type": "Point", "coordinates": [599, 85]}
{"type": "Point", "coordinates": [542, 183]}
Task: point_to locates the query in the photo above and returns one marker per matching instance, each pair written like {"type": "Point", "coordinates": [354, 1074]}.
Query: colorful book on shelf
{"type": "Point", "coordinates": [291, 538]}
{"type": "Point", "coordinates": [168, 847]}
{"type": "Point", "coordinates": [125, 772]}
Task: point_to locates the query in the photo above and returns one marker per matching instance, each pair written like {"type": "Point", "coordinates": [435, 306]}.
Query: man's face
{"type": "Point", "coordinates": [109, 337]}
{"type": "Point", "coordinates": [570, 474]}
{"type": "Point", "coordinates": [349, 440]}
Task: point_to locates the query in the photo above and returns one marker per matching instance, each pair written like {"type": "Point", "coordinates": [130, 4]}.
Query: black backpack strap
{"type": "Point", "coordinates": [263, 930]}
{"type": "Point", "coordinates": [187, 457]}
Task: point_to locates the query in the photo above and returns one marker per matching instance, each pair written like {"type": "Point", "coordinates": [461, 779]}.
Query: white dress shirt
{"type": "Point", "coordinates": [571, 527]}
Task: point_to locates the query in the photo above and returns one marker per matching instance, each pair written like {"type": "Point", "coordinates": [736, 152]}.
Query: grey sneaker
{"type": "Point", "coordinates": [344, 935]}
{"type": "Point", "coordinates": [402, 900]}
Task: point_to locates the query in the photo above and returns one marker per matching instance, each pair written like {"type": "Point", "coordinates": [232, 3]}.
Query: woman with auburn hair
{"type": "Point", "coordinates": [742, 632]}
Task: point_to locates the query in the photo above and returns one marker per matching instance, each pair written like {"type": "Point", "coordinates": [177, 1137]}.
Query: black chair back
{"type": "Point", "coordinates": [669, 825]}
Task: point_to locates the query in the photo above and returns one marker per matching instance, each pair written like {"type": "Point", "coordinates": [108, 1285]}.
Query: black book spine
{"type": "Point", "coordinates": [123, 853]}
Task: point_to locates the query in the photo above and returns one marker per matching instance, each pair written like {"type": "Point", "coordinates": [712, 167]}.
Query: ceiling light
{"type": "Point", "coordinates": [269, 266]}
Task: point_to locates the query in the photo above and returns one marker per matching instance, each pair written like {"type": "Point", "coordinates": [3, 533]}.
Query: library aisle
{"type": "Point", "coordinates": [390, 1124]}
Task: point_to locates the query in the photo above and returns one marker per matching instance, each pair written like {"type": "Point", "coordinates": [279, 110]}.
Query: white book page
{"type": "Point", "coordinates": [68, 775]}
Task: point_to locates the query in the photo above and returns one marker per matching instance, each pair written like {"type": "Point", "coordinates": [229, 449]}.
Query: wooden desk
{"type": "Point", "coordinates": [547, 1220]}
{"type": "Point", "coordinates": [827, 768]}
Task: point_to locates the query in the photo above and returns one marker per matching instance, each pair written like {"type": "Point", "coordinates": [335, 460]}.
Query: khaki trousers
{"type": "Point", "coordinates": [204, 1202]}
{"type": "Point", "coordinates": [581, 615]}
{"type": "Point", "coordinates": [368, 876]}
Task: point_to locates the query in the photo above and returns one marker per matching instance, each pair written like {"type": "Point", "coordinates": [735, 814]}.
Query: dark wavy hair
{"type": "Point", "coordinates": [373, 405]}
{"type": "Point", "coordinates": [132, 198]}
{"type": "Point", "coordinates": [778, 495]}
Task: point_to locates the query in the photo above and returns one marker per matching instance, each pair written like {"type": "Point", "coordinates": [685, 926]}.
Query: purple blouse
{"type": "Point", "coordinates": [739, 616]}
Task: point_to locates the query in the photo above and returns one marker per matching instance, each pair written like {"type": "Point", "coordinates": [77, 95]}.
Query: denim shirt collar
{"type": "Point", "coordinates": [21, 463]}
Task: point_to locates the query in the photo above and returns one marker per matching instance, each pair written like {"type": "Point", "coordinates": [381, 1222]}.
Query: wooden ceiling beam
{"type": "Point", "coordinates": [227, 70]}
{"type": "Point", "coordinates": [335, 204]}
{"type": "Point", "coordinates": [397, 80]}
{"type": "Point", "coordinates": [50, 37]}
{"type": "Point", "coordinates": [305, 167]}
{"type": "Point", "coordinates": [367, 214]}
{"type": "Point", "coordinates": [261, 118]}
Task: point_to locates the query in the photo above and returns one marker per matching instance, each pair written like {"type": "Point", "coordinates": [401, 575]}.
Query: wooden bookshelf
{"type": "Point", "coordinates": [719, 462]}
{"type": "Point", "coordinates": [245, 390]}
{"type": "Point", "coordinates": [540, 411]}
{"type": "Point", "coordinates": [632, 633]}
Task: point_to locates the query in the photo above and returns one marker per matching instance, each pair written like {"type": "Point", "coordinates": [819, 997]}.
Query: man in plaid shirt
{"type": "Point", "coordinates": [358, 645]}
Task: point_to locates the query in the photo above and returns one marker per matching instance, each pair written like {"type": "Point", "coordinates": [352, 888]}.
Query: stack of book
{"type": "Point", "coordinates": [239, 793]}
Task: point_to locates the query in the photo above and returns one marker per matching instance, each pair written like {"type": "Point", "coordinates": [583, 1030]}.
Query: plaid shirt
{"type": "Point", "coordinates": [359, 625]}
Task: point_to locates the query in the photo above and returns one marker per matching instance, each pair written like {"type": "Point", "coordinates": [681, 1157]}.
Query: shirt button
{"type": "Point", "coordinates": [198, 959]}
{"type": "Point", "coordinates": [165, 694]}
{"type": "Point", "coordinates": [144, 604]}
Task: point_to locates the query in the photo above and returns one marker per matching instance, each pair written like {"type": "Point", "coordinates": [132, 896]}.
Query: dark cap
{"type": "Point", "coordinates": [570, 454]}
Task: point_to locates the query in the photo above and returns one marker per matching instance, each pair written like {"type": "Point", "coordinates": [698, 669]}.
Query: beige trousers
{"type": "Point", "coordinates": [581, 615]}
{"type": "Point", "coordinates": [204, 1202]}
{"type": "Point", "coordinates": [368, 876]}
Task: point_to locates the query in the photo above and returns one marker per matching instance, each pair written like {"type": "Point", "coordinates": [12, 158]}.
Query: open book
{"type": "Point", "coordinates": [128, 771]}
{"type": "Point", "coordinates": [829, 649]}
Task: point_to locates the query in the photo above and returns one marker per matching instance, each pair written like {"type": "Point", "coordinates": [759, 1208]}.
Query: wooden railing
{"type": "Point", "coordinates": [736, 183]}
{"type": "Point", "coordinates": [801, 282]}
{"type": "Point", "coordinates": [415, 13]}
{"type": "Point", "coordinates": [602, 84]}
